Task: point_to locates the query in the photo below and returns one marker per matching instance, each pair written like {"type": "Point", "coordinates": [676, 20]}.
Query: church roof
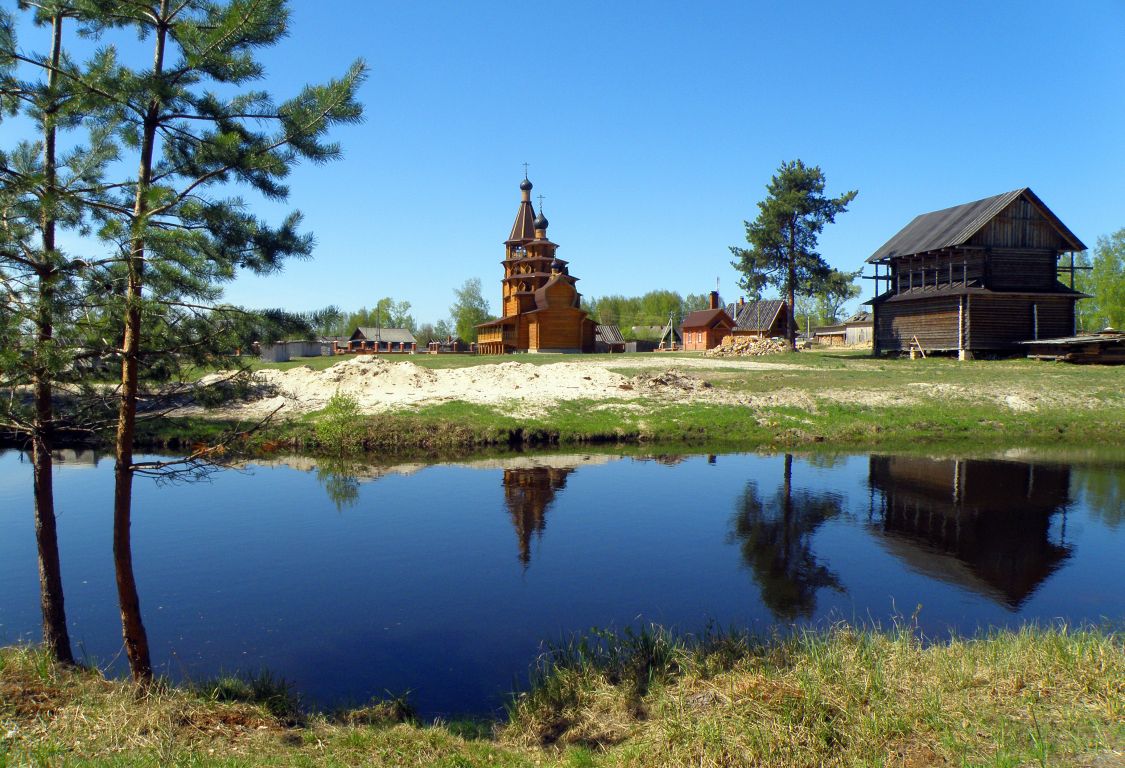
{"type": "Point", "coordinates": [524, 227]}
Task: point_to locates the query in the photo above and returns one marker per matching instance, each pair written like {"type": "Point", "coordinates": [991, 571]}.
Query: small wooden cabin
{"type": "Point", "coordinates": [608, 338]}
{"type": "Point", "coordinates": [978, 277]}
{"type": "Point", "coordinates": [764, 319]}
{"type": "Point", "coordinates": [706, 328]}
{"type": "Point", "coordinates": [857, 329]}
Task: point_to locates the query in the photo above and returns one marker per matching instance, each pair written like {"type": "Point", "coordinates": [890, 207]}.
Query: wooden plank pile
{"type": "Point", "coordinates": [747, 346]}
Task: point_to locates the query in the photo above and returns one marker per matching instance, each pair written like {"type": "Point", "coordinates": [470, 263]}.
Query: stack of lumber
{"type": "Point", "coordinates": [747, 346]}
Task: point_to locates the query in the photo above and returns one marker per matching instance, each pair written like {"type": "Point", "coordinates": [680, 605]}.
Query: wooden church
{"type": "Point", "coordinates": [978, 277]}
{"type": "Point", "coordinates": [540, 305]}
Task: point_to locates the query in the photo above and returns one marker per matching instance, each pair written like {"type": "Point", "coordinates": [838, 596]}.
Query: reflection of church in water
{"type": "Point", "coordinates": [527, 494]}
{"type": "Point", "coordinates": [984, 525]}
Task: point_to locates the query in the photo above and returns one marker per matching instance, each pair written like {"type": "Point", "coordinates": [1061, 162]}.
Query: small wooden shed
{"type": "Point", "coordinates": [856, 330]}
{"type": "Point", "coordinates": [608, 338]}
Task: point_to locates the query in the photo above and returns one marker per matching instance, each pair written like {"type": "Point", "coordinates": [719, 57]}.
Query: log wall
{"type": "Point", "coordinates": [932, 320]}
{"type": "Point", "coordinates": [999, 322]}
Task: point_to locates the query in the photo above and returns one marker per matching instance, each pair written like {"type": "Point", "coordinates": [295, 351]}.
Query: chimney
{"type": "Point", "coordinates": [714, 300]}
{"type": "Point", "coordinates": [741, 301]}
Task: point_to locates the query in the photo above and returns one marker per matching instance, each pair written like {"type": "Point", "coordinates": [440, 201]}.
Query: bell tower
{"type": "Point", "coordinates": [528, 256]}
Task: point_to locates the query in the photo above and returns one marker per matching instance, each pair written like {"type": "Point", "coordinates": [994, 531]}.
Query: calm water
{"type": "Point", "coordinates": [444, 580]}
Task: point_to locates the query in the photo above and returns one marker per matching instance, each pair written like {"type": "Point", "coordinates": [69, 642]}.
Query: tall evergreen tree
{"type": "Point", "coordinates": [176, 230]}
{"type": "Point", "coordinates": [783, 237]}
{"type": "Point", "coordinates": [42, 192]}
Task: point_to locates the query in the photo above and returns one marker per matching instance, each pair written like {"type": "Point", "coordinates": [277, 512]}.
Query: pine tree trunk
{"type": "Point", "coordinates": [132, 627]}
{"type": "Point", "coordinates": [55, 635]}
{"type": "Point", "coordinates": [791, 280]}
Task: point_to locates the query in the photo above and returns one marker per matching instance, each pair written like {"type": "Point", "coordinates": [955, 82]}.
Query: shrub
{"type": "Point", "coordinates": [337, 429]}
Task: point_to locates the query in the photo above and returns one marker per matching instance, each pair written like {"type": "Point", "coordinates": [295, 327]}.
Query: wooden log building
{"type": "Point", "coordinates": [540, 305]}
{"type": "Point", "coordinates": [978, 277]}
{"type": "Point", "coordinates": [608, 338]}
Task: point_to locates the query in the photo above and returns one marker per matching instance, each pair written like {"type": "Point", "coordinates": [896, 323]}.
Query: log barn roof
{"type": "Point", "coordinates": [954, 226]}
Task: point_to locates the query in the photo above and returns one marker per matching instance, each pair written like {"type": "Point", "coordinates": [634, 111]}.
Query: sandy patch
{"type": "Point", "coordinates": [524, 390]}
{"type": "Point", "coordinates": [520, 389]}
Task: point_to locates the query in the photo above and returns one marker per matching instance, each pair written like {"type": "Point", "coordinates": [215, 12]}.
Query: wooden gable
{"type": "Point", "coordinates": [1024, 225]}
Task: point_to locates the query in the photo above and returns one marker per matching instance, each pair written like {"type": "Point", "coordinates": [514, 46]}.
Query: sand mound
{"type": "Point", "coordinates": [382, 385]}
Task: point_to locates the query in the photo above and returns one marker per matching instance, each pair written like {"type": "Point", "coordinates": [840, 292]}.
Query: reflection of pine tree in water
{"type": "Point", "coordinates": [776, 535]}
{"type": "Point", "coordinates": [527, 493]}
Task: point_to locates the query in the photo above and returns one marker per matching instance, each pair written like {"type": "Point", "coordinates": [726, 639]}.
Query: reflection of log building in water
{"type": "Point", "coordinates": [527, 493]}
{"type": "Point", "coordinates": [981, 524]}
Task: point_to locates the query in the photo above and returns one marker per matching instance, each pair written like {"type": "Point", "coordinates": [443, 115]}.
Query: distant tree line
{"type": "Point", "coordinates": [636, 316]}
{"type": "Point", "coordinates": [1104, 282]}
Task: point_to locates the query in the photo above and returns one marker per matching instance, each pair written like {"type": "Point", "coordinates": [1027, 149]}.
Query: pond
{"type": "Point", "coordinates": [445, 580]}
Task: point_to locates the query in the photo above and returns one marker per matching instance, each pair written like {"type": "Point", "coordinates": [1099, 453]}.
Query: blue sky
{"type": "Point", "coordinates": [652, 129]}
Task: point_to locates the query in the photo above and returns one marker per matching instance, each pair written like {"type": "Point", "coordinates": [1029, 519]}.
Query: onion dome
{"type": "Point", "coordinates": [557, 266]}
{"type": "Point", "coordinates": [525, 185]}
{"type": "Point", "coordinates": [541, 221]}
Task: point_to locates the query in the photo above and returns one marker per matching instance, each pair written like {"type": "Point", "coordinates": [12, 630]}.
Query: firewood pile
{"type": "Point", "coordinates": [747, 346]}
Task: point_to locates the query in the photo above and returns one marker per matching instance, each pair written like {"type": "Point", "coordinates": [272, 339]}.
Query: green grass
{"type": "Point", "coordinates": [837, 697]}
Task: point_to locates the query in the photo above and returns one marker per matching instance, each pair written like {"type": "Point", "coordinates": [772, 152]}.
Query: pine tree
{"type": "Point", "coordinates": [176, 230]}
{"type": "Point", "coordinates": [43, 192]}
{"type": "Point", "coordinates": [783, 238]}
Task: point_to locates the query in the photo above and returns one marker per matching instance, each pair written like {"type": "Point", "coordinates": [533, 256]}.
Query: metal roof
{"type": "Point", "coordinates": [954, 226]}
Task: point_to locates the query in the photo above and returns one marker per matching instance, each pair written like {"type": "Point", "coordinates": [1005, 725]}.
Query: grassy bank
{"type": "Point", "coordinates": [844, 399]}
{"type": "Point", "coordinates": [841, 697]}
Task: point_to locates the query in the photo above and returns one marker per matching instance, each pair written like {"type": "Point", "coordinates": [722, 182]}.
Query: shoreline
{"type": "Point", "coordinates": [835, 400]}
{"type": "Point", "coordinates": [834, 695]}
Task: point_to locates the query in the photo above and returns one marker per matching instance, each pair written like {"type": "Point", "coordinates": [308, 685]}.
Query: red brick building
{"type": "Point", "coordinates": [707, 327]}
